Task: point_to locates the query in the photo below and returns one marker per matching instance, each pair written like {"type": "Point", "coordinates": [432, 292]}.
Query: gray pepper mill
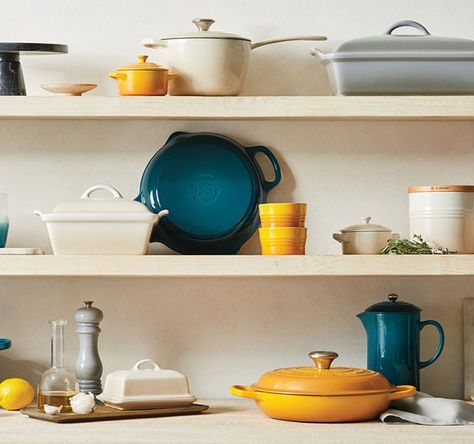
{"type": "Point", "coordinates": [88, 365]}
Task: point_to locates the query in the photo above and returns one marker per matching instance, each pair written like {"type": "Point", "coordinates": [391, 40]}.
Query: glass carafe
{"type": "Point", "coordinates": [57, 384]}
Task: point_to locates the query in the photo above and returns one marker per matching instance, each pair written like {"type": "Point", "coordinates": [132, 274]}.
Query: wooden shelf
{"type": "Point", "coordinates": [235, 266]}
{"type": "Point", "coordinates": [240, 108]}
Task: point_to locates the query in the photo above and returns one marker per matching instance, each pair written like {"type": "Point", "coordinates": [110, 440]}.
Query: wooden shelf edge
{"type": "Point", "coordinates": [240, 108]}
{"type": "Point", "coordinates": [235, 266]}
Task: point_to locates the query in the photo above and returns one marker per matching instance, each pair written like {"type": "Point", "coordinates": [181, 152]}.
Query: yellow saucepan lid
{"type": "Point", "coordinates": [323, 380]}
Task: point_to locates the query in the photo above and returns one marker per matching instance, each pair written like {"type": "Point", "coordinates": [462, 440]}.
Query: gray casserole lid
{"type": "Point", "coordinates": [415, 44]}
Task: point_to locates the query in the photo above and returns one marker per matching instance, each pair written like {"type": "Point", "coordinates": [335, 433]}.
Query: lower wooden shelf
{"type": "Point", "coordinates": [235, 266]}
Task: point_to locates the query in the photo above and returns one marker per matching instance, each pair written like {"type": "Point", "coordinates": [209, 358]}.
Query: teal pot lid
{"type": "Point", "coordinates": [393, 305]}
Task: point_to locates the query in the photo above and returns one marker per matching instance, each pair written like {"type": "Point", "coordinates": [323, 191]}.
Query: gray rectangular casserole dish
{"type": "Point", "coordinates": [401, 64]}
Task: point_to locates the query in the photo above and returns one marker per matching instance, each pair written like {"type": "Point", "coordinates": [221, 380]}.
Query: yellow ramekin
{"type": "Point", "coordinates": [283, 240]}
{"type": "Point", "coordinates": [282, 214]}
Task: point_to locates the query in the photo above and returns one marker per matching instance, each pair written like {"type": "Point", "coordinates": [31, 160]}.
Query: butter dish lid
{"type": "Point", "coordinates": [146, 381]}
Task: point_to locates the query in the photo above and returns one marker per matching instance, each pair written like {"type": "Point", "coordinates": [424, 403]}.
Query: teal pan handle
{"type": "Point", "coordinates": [5, 344]}
{"type": "Point", "coordinates": [438, 327]}
{"type": "Point", "coordinates": [267, 185]}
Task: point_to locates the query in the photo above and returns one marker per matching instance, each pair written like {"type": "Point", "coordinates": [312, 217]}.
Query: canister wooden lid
{"type": "Point", "coordinates": [441, 188]}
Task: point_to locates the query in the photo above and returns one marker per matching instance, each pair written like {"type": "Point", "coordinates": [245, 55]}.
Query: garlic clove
{"type": "Point", "coordinates": [52, 409]}
{"type": "Point", "coordinates": [82, 403]}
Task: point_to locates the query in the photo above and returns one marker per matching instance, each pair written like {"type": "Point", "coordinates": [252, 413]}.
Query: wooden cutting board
{"type": "Point", "coordinates": [104, 413]}
{"type": "Point", "coordinates": [468, 321]}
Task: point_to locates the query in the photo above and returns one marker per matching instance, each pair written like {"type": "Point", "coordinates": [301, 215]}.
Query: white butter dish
{"type": "Point", "coordinates": [146, 388]}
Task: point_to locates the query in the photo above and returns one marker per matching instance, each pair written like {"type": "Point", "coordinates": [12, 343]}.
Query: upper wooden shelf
{"type": "Point", "coordinates": [240, 108]}
{"type": "Point", "coordinates": [235, 266]}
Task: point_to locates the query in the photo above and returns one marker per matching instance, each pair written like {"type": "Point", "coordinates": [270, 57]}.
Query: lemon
{"type": "Point", "coordinates": [15, 394]}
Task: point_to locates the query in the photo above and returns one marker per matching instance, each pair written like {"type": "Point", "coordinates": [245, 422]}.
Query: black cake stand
{"type": "Point", "coordinates": [11, 75]}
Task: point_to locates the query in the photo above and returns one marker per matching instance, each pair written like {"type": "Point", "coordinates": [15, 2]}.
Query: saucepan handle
{"type": "Point", "coordinates": [402, 391]}
{"type": "Point", "coordinates": [438, 351]}
{"type": "Point", "coordinates": [306, 38]}
{"type": "Point", "coordinates": [267, 185]}
{"type": "Point", "coordinates": [244, 391]}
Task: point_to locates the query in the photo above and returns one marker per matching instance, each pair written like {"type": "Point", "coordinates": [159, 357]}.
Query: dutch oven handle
{"type": "Point", "coordinates": [266, 185]}
{"type": "Point", "coordinates": [5, 344]}
{"type": "Point", "coordinates": [410, 24]}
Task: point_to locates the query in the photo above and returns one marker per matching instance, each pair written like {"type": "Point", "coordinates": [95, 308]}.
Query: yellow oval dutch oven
{"type": "Point", "coordinates": [142, 78]}
{"type": "Point", "coordinates": [322, 393]}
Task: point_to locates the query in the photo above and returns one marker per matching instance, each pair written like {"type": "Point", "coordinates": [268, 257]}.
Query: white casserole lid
{"type": "Point", "coordinates": [366, 227]}
{"type": "Point", "coordinates": [143, 383]}
{"type": "Point", "coordinates": [113, 208]}
{"type": "Point", "coordinates": [416, 45]}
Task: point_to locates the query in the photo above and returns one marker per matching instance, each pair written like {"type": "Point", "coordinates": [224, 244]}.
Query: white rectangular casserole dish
{"type": "Point", "coordinates": [100, 226]}
{"type": "Point", "coordinates": [394, 64]}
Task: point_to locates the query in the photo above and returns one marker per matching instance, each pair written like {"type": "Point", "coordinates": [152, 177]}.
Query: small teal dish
{"type": "Point", "coordinates": [3, 233]}
{"type": "Point", "coordinates": [393, 340]}
{"type": "Point", "coordinates": [212, 187]}
{"type": "Point", "coordinates": [5, 344]}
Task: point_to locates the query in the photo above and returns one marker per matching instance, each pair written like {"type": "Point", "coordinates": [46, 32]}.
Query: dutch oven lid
{"type": "Point", "coordinates": [392, 305]}
{"type": "Point", "coordinates": [203, 25]}
{"type": "Point", "coordinates": [412, 43]}
{"type": "Point", "coordinates": [366, 226]}
{"type": "Point", "coordinates": [114, 204]}
{"type": "Point", "coordinates": [323, 379]}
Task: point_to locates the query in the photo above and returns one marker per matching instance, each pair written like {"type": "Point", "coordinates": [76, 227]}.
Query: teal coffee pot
{"type": "Point", "coordinates": [393, 340]}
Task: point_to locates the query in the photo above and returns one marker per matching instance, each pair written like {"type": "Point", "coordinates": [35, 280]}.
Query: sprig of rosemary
{"type": "Point", "coordinates": [415, 246]}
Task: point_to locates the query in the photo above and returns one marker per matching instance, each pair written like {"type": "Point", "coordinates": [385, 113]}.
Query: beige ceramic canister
{"type": "Point", "coordinates": [443, 215]}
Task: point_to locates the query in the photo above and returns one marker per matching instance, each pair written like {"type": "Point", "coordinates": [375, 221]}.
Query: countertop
{"type": "Point", "coordinates": [228, 422]}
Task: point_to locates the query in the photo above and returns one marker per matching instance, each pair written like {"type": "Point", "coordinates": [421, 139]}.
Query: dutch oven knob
{"type": "Point", "coordinates": [323, 359]}
{"type": "Point", "coordinates": [392, 297]}
{"type": "Point", "coordinates": [203, 24]}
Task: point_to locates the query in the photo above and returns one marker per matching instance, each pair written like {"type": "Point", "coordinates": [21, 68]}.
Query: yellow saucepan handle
{"type": "Point", "coordinates": [244, 391]}
{"type": "Point", "coordinates": [402, 391]}
{"type": "Point", "coordinates": [172, 75]}
{"type": "Point", "coordinates": [118, 75]}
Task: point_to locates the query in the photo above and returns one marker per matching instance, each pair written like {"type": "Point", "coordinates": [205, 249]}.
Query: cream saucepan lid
{"type": "Point", "coordinates": [366, 226]}
{"type": "Point", "coordinates": [322, 379]}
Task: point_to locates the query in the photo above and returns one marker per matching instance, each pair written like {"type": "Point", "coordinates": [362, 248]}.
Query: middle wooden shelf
{"type": "Point", "coordinates": [235, 266]}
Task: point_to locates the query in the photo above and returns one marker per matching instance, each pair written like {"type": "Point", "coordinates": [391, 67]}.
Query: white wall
{"type": "Point", "coordinates": [224, 331]}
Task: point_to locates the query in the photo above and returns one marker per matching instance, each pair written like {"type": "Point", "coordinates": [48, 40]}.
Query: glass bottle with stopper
{"type": "Point", "coordinates": [57, 384]}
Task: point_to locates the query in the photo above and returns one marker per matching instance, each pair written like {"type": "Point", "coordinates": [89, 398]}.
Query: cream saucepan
{"type": "Point", "coordinates": [210, 63]}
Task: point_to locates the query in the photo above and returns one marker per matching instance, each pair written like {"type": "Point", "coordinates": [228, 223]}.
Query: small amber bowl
{"type": "Point", "coordinates": [282, 215]}
{"type": "Point", "coordinates": [283, 240]}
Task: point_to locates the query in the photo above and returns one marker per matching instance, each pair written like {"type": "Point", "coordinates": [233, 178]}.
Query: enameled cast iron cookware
{"type": "Point", "coordinates": [212, 187]}
{"type": "Point", "coordinates": [210, 63]}
{"type": "Point", "coordinates": [322, 393]}
{"type": "Point", "coordinates": [401, 64]}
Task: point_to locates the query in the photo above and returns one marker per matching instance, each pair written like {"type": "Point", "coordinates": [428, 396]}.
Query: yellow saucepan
{"type": "Point", "coordinates": [323, 394]}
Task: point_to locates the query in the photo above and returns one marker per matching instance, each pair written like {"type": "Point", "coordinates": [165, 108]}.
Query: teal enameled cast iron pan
{"type": "Point", "coordinates": [212, 187]}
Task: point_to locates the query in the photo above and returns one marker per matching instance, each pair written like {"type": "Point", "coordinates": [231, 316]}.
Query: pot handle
{"type": "Point", "coordinates": [402, 391]}
{"type": "Point", "coordinates": [172, 75]}
{"type": "Point", "coordinates": [339, 237]}
{"type": "Point", "coordinates": [306, 38]}
{"type": "Point", "coordinates": [5, 344]}
{"type": "Point", "coordinates": [410, 24]}
{"type": "Point", "coordinates": [151, 43]}
{"type": "Point", "coordinates": [438, 351]}
{"type": "Point", "coordinates": [117, 75]}
{"type": "Point", "coordinates": [244, 391]}
{"type": "Point", "coordinates": [266, 185]}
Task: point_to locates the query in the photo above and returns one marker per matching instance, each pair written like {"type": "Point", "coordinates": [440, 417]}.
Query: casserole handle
{"type": "Point", "coordinates": [306, 38]}
{"type": "Point", "coordinates": [115, 193]}
{"type": "Point", "coordinates": [117, 75]}
{"type": "Point", "coordinates": [267, 185]}
{"type": "Point", "coordinates": [410, 24]}
{"type": "Point", "coordinates": [321, 56]}
{"type": "Point", "coordinates": [244, 391]}
{"type": "Point", "coordinates": [438, 351]}
{"type": "Point", "coordinates": [402, 391]}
